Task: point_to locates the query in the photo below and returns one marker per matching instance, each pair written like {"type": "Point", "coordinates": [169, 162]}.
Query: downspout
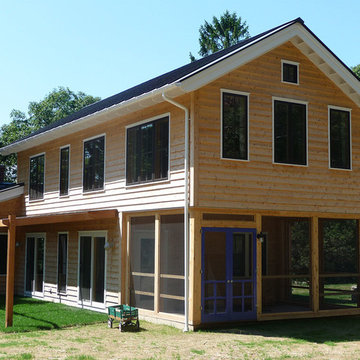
{"type": "Point", "coordinates": [186, 208]}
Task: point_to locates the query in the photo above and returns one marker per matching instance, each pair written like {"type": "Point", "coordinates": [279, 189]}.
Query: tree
{"type": "Point", "coordinates": [58, 104]}
{"type": "Point", "coordinates": [356, 70]}
{"type": "Point", "coordinates": [221, 33]}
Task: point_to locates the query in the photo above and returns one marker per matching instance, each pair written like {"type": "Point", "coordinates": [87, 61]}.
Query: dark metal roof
{"type": "Point", "coordinates": [171, 77]}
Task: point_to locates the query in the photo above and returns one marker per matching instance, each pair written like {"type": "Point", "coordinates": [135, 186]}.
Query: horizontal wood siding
{"type": "Point", "coordinates": [260, 184]}
{"type": "Point", "coordinates": [166, 194]}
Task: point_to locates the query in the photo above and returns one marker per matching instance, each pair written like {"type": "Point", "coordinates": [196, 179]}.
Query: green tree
{"type": "Point", "coordinates": [56, 105]}
{"type": "Point", "coordinates": [226, 31]}
{"type": "Point", "coordinates": [356, 70]}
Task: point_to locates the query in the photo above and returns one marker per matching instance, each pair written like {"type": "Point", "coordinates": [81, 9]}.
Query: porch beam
{"type": "Point", "coordinates": [68, 217]}
{"type": "Point", "coordinates": [10, 272]}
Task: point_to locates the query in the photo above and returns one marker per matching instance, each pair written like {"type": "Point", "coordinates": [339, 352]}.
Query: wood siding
{"type": "Point", "coordinates": [166, 194]}
{"type": "Point", "coordinates": [258, 183]}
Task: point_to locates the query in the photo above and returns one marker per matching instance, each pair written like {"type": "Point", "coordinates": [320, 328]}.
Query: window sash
{"type": "Point", "coordinates": [290, 73]}
{"type": "Point", "coordinates": [340, 143]}
{"type": "Point", "coordinates": [147, 152]}
{"type": "Point", "coordinates": [290, 136]}
{"type": "Point", "coordinates": [36, 183]}
{"type": "Point", "coordinates": [93, 160]}
{"type": "Point", "coordinates": [64, 170]}
{"type": "Point", "coordinates": [234, 126]}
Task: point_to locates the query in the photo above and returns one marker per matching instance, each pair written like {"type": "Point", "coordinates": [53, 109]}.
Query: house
{"type": "Point", "coordinates": [256, 146]}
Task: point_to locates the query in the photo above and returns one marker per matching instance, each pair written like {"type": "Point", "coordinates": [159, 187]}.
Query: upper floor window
{"type": "Point", "coordinates": [3, 254]}
{"type": "Point", "coordinates": [147, 151]}
{"type": "Point", "coordinates": [289, 72]}
{"type": "Point", "coordinates": [290, 133]}
{"type": "Point", "coordinates": [64, 170]}
{"type": "Point", "coordinates": [235, 125]}
{"type": "Point", "coordinates": [36, 181]}
{"type": "Point", "coordinates": [94, 156]}
{"type": "Point", "coordinates": [340, 138]}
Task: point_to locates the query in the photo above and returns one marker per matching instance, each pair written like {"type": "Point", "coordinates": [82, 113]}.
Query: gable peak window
{"type": "Point", "coordinates": [93, 160]}
{"type": "Point", "coordinates": [147, 151]}
{"type": "Point", "coordinates": [36, 177]}
{"type": "Point", "coordinates": [290, 133]}
{"type": "Point", "coordinates": [289, 72]}
{"type": "Point", "coordinates": [234, 125]}
{"type": "Point", "coordinates": [339, 138]}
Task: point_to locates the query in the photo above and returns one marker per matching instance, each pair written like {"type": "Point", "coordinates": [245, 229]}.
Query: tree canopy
{"type": "Point", "coordinates": [356, 70]}
{"type": "Point", "coordinates": [222, 33]}
{"type": "Point", "coordinates": [56, 105]}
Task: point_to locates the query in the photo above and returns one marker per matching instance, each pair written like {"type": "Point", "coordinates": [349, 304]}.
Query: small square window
{"type": "Point", "coordinates": [290, 72]}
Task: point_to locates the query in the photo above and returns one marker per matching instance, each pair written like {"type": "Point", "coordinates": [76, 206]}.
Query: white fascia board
{"type": "Point", "coordinates": [11, 193]}
{"type": "Point", "coordinates": [131, 105]}
{"type": "Point", "coordinates": [329, 58]}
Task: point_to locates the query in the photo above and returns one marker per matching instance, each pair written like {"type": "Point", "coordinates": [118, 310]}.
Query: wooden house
{"type": "Point", "coordinates": [256, 146]}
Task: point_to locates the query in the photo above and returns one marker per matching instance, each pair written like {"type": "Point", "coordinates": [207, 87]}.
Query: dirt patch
{"type": "Point", "coordinates": [163, 342]}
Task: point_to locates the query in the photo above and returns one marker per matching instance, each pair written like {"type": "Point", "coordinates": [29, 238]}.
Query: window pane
{"type": "Point", "coordinates": [64, 171]}
{"type": "Point", "coordinates": [39, 266]}
{"type": "Point", "coordinates": [147, 152]}
{"type": "Point", "coordinates": [98, 270]}
{"type": "Point", "coordinates": [290, 73]}
{"type": "Point", "coordinates": [3, 254]}
{"type": "Point", "coordinates": [339, 139]}
{"type": "Point", "coordinates": [93, 178]}
{"type": "Point", "coordinates": [85, 267]}
{"type": "Point", "coordinates": [30, 251]}
{"type": "Point", "coordinates": [36, 182]}
{"type": "Point", "coordinates": [290, 133]}
{"type": "Point", "coordinates": [62, 262]}
{"type": "Point", "coordinates": [235, 126]}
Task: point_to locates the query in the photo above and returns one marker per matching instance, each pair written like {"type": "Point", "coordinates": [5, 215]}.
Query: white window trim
{"type": "Point", "coordinates": [283, 61]}
{"type": "Point", "coordinates": [35, 293]}
{"type": "Point", "coordinates": [306, 103]}
{"type": "Point", "coordinates": [333, 107]}
{"type": "Point", "coordinates": [82, 167]}
{"type": "Point", "coordinates": [64, 147]}
{"type": "Point", "coordinates": [67, 263]}
{"type": "Point", "coordinates": [222, 91]}
{"type": "Point", "coordinates": [92, 234]}
{"type": "Point", "coordinates": [154, 118]}
{"type": "Point", "coordinates": [31, 157]}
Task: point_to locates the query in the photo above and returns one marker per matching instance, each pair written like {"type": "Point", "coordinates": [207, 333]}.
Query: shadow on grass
{"type": "Point", "coordinates": [319, 330]}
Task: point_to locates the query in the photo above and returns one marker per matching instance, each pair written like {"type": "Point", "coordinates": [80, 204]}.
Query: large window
{"type": "Point", "coordinates": [234, 126]}
{"type": "Point", "coordinates": [64, 170]}
{"type": "Point", "coordinates": [94, 155]}
{"type": "Point", "coordinates": [147, 152]}
{"type": "Point", "coordinates": [340, 140]}
{"type": "Point", "coordinates": [3, 253]}
{"type": "Point", "coordinates": [62, 262]}
{"type": "Point", "coordinates": [290, 138]}
{"type": "Point", "coordinates": [36, 181]}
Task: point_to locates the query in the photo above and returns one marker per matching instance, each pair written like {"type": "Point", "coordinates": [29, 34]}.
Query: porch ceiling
{"type": "Point", "coordinates": [60, 218]}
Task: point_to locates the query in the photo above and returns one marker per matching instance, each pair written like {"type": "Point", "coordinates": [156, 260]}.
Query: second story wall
{"type": "Point", "coordinates": [259, 183]}
{"type": "Point", "coordinates": [164, 194]}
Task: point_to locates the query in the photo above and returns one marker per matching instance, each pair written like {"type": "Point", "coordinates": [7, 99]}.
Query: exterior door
{"type": "Point", "coordinates": [228, 274]}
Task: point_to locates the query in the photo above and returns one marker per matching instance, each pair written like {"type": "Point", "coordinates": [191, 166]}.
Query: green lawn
{"type": "Point", "coordinates": [31, 314]}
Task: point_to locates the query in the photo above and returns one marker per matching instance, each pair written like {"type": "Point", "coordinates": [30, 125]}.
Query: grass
{"type": "Point", "coordinates": [31, 314]}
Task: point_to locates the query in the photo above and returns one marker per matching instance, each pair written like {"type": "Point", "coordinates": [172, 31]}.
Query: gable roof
{"type": "Point", "coordinates": [196, 74]}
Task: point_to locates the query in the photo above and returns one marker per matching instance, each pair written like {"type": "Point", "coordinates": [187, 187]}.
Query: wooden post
{"type": "Point", "coordinates": [10, 272]}
{"type": "Point", "coordinates": [258, 220]}
{"type": "Point", "coordinates": [315, 262]}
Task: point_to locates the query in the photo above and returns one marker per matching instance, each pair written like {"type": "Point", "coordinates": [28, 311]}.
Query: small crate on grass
{"type": "Point", "coordinates": [125, 314]}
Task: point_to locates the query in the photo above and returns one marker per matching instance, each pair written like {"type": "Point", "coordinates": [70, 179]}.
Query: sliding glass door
{"type": "Point", "coordinates": [92, 268]}
{"type": "Point", "coordinates": [35, 264]}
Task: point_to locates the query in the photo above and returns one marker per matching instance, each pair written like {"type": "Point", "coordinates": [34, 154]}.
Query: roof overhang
{"type": "Point", "coordinates": [11, 192]}
{"type": "Point", "coordinates": [297, 33]}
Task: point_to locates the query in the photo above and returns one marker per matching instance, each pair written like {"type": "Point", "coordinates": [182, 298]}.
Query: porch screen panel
{"type": "Point", "coordinates": [338, 264]}
{"type": "Point", "coordinates": [142, 262]}
{"type": "Point", "coordinates": [287, 276]}
{"type": "Point", "coordinates": [99, 270]}
{"type": "Point", "coordinates": [85, 267]}
{"type": "Point", "coordinates": [30, 251]}
{"type": "Point", "coordinates": [3, 254]}
{"type": "Point", "coordinates": [172, 264]}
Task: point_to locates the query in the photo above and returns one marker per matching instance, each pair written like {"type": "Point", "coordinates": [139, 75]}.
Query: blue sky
{"type": "Point", "coordinates": [104, 47]}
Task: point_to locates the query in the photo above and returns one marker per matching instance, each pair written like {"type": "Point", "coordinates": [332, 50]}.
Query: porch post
{"type": "Point", "coordinates": [258, 220]}
{"type": "Point", "coordinates": [315, 262]}
{"type": "Point", "coordinates": [10, 272]}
